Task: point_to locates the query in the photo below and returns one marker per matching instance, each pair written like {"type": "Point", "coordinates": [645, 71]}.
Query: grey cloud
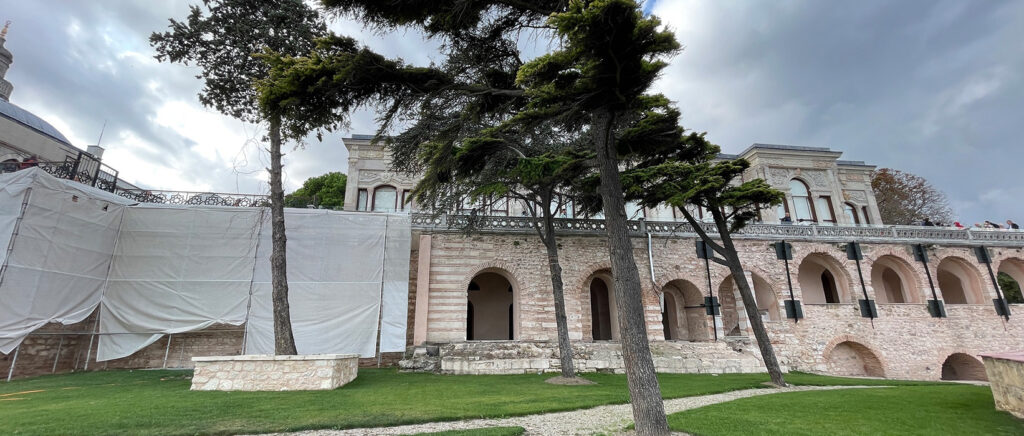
{"type": "Point", "coordinates": [929, 87]}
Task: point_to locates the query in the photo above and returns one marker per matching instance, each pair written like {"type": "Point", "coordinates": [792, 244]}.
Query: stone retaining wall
{"type": "Point", "coordinates": [274, 373]}
{"type": "Point", "coordinates": [1006, 374]}
{"type": "Point", "coordinates": [513, 357]}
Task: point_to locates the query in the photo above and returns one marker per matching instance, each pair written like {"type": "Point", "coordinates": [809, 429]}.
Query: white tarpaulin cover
{"type": "Point", "coordinates": [165, 270]}
{"type": "Point", "coordinates": [176, 269]}
{"type": "Point", "coordinates": [395, 298]}
{"type": "Point", "coordinates": [59, 254]}
{"type": "Point", "coordinates": [336, 281]}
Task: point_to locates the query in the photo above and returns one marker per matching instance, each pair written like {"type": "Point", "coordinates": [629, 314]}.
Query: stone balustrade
{"type": "Point", "coordinates": [792, 232]}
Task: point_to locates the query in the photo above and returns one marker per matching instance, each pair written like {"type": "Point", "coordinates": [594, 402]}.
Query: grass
{"type": "Point", "coordinates": [492, 431]}
{"type": "Point", "coordinates": [160, 403]}
{"type": "Point", "coordinates": [904, 410]}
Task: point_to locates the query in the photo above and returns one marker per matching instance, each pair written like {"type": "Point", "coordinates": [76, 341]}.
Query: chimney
{"type": "Point", "coordinates": [95, 150]}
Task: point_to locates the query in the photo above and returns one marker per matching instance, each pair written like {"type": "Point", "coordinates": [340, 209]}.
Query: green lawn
{"type": "Point", "coordinates": [159, 402]}
{"type": "Point", "coordinates": [904, 410]}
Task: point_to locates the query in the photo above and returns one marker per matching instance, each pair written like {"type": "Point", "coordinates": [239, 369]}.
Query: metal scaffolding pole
{"type": "Point", "coordinates": [10, 372]}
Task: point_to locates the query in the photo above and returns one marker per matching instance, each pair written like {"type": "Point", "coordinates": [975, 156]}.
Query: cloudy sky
{"type": "Point", "coordinates": [931, 87]}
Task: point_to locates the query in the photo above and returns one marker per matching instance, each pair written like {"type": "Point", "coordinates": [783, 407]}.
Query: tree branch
{"type": "Point", "coordinates": [700, 231]}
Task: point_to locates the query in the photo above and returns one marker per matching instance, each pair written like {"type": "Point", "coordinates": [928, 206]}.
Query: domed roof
{"type": "Point", "coordinates": [30, 120]}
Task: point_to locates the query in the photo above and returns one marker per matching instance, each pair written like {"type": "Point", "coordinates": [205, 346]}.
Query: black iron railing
{"type": "Point", "coordinates": [194, 198]}
{"type": "Point", "coordinates": [88, 170]}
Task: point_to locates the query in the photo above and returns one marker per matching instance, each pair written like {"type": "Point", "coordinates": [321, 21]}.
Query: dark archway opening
{"type": "Point", "coordinates": [828, 284]}
{"type": "Point", "coordinates": [960, 366]}
{"type": "Point", "coordinates": [600, 310]}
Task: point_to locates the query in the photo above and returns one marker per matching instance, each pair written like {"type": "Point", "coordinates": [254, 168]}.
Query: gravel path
{"type": "Point", "coordinates": [601, 420]}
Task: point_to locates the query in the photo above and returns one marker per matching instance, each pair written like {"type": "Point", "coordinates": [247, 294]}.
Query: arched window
{"type": "Point", "coordinates": [801, 200]}
{"type": "Point", "coordinates": [384, 199]}
{"type": "Point", "coordinates": [851, 213]}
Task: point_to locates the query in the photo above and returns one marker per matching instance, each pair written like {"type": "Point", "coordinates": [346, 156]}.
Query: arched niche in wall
{"type": "Point", "coordinates": [683, 318]}
{"type": "Point", "coordinates": [604, 321]}
{"type": "Point", "coordinates": [1014, 269]}
{"type": "Point", "coordinates": [765, 296]}
{"type": "Point", "coordinates": [823, 280]}
{"type": "Point", "coordinates": [959, 282]}
{"type": "Point", "coordinates": [894, 281]}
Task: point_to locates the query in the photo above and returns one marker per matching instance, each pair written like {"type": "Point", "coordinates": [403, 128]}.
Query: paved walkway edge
{"type": "Point", "coordinates": [600, 419]}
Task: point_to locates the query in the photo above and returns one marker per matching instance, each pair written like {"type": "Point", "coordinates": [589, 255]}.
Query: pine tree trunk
{"type": "Point", "coordinates": [644, 391]}
{"type": "Point", "coordinates": [561, 322]}
{"type": "Point", "coordinates": [284, 342]}
{"type": "Point", "coordinates": [764, 343]}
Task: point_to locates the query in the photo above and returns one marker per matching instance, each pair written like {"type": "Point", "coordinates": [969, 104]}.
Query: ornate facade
{"type": "Point", "coordinates": [482, 303]}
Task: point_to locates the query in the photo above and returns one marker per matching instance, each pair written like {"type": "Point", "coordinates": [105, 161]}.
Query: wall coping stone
{"type": "Point", "coordinates": [1017, 356]}
{"type": "Point", "coordinates": [266, 357]}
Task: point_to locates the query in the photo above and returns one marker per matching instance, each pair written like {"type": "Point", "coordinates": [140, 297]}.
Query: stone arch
{"type": "Point", "coordinates": [10, 157]}
{"type": "Point", "coordinates": [895, 280]}
{"type": "Point", "coordinates": [963, 366]}
{"type": "Point", "coordinates": [824, 279]}
{"type": "Point", "coordinates": [487, 312]}
{"type": "Point", "coordinates": [847, 355]}
{"type": "Point", "coordinates": [729, 297]}
{"type": "Point", "coordinates": [1013, 267]}
{"type": "Point", "coordinates": [683, 318]}
{"type": "Point", "coordinates": [959, 281]}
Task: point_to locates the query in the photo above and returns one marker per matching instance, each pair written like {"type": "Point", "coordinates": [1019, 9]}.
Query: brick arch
{"type": "Point", "coordinates": [587, 273]}
{"type": "Point", "coordinates": [776, 288]}
{"type": "Point", "coordinates": [873, 361]}
{"type": "Point", "coordinates": [508, 270]}
{"type": "Point", "coordinates": [920, 290]}
{"type": "Point", "coordinates": [699, 282]}
{"type": "Point", "coordinates": [845, 279]}
{"type": "Point", "coordinates": [510, 273]}
{"type": "Point", "coordinates": [961, 365]}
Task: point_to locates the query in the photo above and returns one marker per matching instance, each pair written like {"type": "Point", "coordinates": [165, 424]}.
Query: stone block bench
{"type": "Point", "coordinates": [274, 373]}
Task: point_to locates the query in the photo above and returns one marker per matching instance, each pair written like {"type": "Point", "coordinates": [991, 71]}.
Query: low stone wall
{"type": "Point", "coordinates": [521, 357]}
{"type": "Point", "coordinates": [274, 373]}
{"type": "Point", "coordinates": [1006, 374]}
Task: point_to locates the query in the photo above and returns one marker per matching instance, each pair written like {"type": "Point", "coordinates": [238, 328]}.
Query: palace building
{"type": "Point", "coordinates": [98, 274]}
{"type": "Point", "coordinates": [482, 303]}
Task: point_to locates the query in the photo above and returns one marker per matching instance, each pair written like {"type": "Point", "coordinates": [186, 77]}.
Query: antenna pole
{"type": "Point", "coordinates": [98, 141]}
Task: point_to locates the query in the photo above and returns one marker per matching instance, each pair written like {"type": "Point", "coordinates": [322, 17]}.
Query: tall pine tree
{"type": "Point", "coordinates": [223, 38]}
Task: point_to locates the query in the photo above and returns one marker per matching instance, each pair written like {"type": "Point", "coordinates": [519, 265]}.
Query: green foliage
{"type": "Point", "coordinates": [1011, 289]}
{"type": "Point", "coordinates": [690, 173]}
{"type": "Point", "coordinates": [912, 410]}
{"type": "Point", "coordinates": [222, 37]}
{"type": "Point", "coordinates": [610, 56]}
{"type": "Point", "coordinates": [326, 191]}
